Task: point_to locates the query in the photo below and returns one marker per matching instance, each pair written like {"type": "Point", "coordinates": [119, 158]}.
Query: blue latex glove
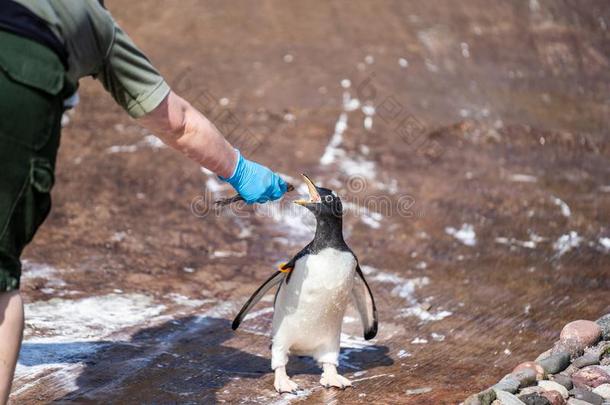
{"type": "Point", "coordinates": [254, 182]}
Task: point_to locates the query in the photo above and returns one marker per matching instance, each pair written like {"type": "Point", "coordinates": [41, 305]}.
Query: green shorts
{"type": "Point", "coordinates": [31, 105]}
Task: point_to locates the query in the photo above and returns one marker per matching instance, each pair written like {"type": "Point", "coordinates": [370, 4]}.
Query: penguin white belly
{"type": "Point", "coordinates": [309, 309]}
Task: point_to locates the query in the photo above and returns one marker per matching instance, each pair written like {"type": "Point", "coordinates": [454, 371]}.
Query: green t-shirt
{"type": "Point", "coordinates": [98, 47]}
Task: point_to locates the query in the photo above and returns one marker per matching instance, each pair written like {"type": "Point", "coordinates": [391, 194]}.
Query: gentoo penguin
{"type": "Point", "coordinates": [314, 289]}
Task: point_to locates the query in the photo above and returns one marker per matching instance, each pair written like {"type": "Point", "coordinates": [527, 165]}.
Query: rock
{"type": "Point", "coordinates": [496, 402]}
{"type": "Point", "coordinates": [482, 398]}
{"type": "Point", "coordinates": [573, 401]}
{"type": "Point", "coordinates": [555, 363]}
{"type": "Point", "coordinates": [587, 359]}
{"type": "Point", "coordinates": [534, 389]}
{"type": "Point", "coordinates": [507, 398]}
{"type": "Point", "coordinates": [544, 355]}
{"type": "Point", "coordinates": [534, 399]}
{"type": "Point", "coordinates": [603, 391]}
{"type": "Point", "coordinates": [587, 333]}
{"type": "Point", "coordinates": [509, 384]}
{"type": "Point", "coordinates": [572, 346]}
{"type": "Point", "coordinates": [554, 397]}
{"type": "Point", "coordinates": [604, 324]}
{"type": "Point", "coordinates": [526, 377]}
{"type": "Point", "coordinates": [591, 376]}
{"type": "Point", "coordinates": [570, 370]}
{"type": "Point", "coordinates": [564, 380]}
{"type": "Point", "coordinates": [538, 369]}
{"type": "Point", "coordinates": [553, 386]}
{"type": "Point", "coordinates": [586, 395]}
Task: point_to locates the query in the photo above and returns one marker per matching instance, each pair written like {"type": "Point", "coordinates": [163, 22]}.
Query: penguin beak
{"type": "Point", "coordinates": [314, 196]}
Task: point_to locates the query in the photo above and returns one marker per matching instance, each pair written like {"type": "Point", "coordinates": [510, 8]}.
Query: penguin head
{"type": "Point", "coordinates": [322, 201]}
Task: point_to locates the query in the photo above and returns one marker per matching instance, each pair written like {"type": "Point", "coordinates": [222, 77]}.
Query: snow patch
{"type": "Point", "coordinates": [149, 141]}
{"type": "Point", "coordinates": [523, 178]}
{"type": "Point", "coordinates": [89, 318]}
{"type": "Point", "coordinates": [566, 242]}
{"type": "Point", "coordinates": [465, 234]}
{"type": "Point", "coordinates": [565, 209]}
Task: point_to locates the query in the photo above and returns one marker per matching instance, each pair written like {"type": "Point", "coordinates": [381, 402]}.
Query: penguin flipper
{"type": "Point", "coordinates": [271, 282]}
{"type": "Point", "coordinates": [365, 303]}
{"type": "Point", "coordinates": [289, 267]}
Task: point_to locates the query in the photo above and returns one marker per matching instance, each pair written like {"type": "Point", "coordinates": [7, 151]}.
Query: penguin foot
{"type": "Point", "coordinates": [335, 381]}
{"type": "Point", "coordinates": [283, 383]}
{"type": "Point", "coordinates": [330, 378]}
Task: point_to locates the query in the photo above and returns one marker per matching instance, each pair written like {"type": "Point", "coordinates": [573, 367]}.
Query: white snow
{"type": "Point", "coordinates": [566, 242]}
{"type": "Point", "coordinates": [419, 341]}
{"type": "Point", "coordinates": [88, 318]}
{"type": "Point", "coordinates": [605, 242]}
{"type": "Point", "coordinates": [405, 289]}
{"type": "Point", "coordinates": [331, 152]}
{"type": "Point", "coordinates": [219, 254]}
{"type": "Point", "coordinates": [403, 63]}
{"type": "Point", "coordinates": [465, 49]}
{"type": "Point", "coordinates": [565, 209]}
{"type": "Point", "coordinates": [522, 178]}
{"type": "Point", "coordinates": [418, 391]}
{"type": "Point", "coordinates": [185, 301]}
{"type": "Point", "coordinates": [465, 234]}
{"type": "Point", "coordinates": [528, 244]}
{"type": "Point", "coordinates": [149, 141]}
{"type": "Point", "coordinates": [118, 236]}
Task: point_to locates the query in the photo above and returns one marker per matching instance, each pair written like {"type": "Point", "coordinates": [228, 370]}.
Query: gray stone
{"type": "Point", "coordinates": [507, 398]}
{"type": "Point", "coordinates": [543, 355]}
{"type": "Point", "coordinates": [587, 359]}
{"type": "Point", "coordinates": [534, 399]}
{"type": "Point", "coordinates": [526, 377]}
{"type": "Point", "coordinates": [603, 391]}
{"type": "Point", "coordinates": [564, 380]}
{"type": "Point", "coordinates": [572, 346]}
{"type": "Point", "coordinates": [555, 363]}
{"type": "Point", "coordinates": [574, 401]}
{"type": "Point", "coordinates": [534, 389]}
{"type": "Point", "coordinates": [482, 398]}
{"type": "Point", "coordinates": [587, 396]}
{"type": "Point", "coordinates": [553, 386]}
{"type": "Point", "coordinates": [509, 384]}
{"type": "Point", "coordinates": [604, 323]}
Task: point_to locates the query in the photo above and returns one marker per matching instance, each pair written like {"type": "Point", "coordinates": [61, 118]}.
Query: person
{"type": "Point", "coordinates": [45, 48]}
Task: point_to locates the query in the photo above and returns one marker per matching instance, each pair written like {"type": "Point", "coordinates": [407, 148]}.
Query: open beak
{"type": "Point", "coordinates": [314, 196]}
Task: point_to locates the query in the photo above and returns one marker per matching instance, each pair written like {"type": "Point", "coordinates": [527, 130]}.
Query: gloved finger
{"type": "Point", "coordinates": [278, 188]}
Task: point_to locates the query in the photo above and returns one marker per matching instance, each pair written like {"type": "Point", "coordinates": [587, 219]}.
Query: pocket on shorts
{"type": "Point", "coordinates": [28, 116]}
{"type": "Point", "coordinates": [27, 206]}
{"type": "Point", "coordinates": [31, 81]}
{"type": "Point", "coordinates": [37, 197]}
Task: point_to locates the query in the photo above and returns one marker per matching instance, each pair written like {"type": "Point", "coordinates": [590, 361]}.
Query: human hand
{"type": "Point", "coordinates": [254, 182]}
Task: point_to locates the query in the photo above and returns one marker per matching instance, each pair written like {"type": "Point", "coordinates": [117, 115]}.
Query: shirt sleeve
{"type": "Point", "coordinates": [130, 77]}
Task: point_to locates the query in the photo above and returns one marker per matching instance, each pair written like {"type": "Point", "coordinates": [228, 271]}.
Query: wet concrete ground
{"type": "Point", "coordinates": [478, 198]}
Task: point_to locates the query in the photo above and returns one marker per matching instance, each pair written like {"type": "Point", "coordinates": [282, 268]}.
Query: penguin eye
{"type": "Point", "coordinates": [328, 198]}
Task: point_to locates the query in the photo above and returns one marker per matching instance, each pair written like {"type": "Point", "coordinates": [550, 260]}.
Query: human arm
{"type": "Point", "coordinates": [129, 76]}
{"type": "Point", "coordinates": [184, 128]}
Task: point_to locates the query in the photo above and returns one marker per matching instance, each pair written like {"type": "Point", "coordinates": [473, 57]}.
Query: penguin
{"type": "Point", "coordinates": [314, 288]}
